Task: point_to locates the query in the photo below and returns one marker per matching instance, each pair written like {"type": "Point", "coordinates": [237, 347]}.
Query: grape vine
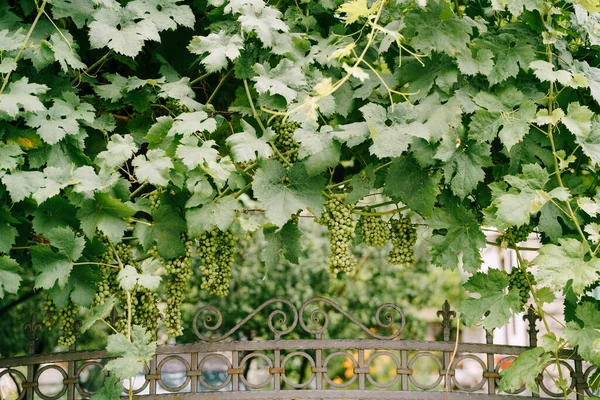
{"type": "Point", "coordinates": [208, 122]}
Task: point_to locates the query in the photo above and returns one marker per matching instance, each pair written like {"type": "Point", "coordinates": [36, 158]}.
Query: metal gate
{"type": "Point", "coordinates": [239, 376]}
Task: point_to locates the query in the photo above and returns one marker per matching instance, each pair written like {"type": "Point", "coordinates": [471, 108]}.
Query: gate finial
{"type": "Point", "coordinates": [30, 328]}
{"type": "Point", "coordinates": [447, 314]}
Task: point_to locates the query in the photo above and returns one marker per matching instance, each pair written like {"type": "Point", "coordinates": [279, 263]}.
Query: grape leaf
{"type": "Point", "coordinates": [284, 241]}
{"type": "Point", "coordinates": [462, 237]}
{"type": "Point", "coordinates": [193, 155]}
{"type": "Point", "coordinates": [516, 6]}
{"type": "Point", "coordinates": [166, 230]}
{"type": "Point", "coordinates": [361, 185]}
{"type": "Point", "coordinates": [590, 143]}
{"type": "Point", "coordinates": [118, 150]}
{"type": "Point", "coordinates": [80, 11]}
{"type": "Point", "coordinates": [585, 332]}
{"type": "Point", "coordinates": [123, 30]}
{"type": "Point", "coordinates": [165, 14]}
{"type": "Point", "coordinates": [65, 53]}
{"type": "Point", "coordinates": [219, 213]}
{"type": "Point", "coordinates": [188, 123]}
{"type": "Point", "coordinates": [578, 119]}
{"type": "Point", "coordinates": [60, 120]}
{"type": "Point", "coordinates": [354, 9]}
{"type": "Point", "coordinates": [66, 242]}
{"type": "Point", "coordinates": [265, 21]}
{"type": "Point", "coordinates": [180, 90]}
{"type": "Point", "coordinates": [495, 306]}
{"type": "Point", "coordinates": [438, 29]}
{"type": "Point", "coordinates": [21, 184]}
{"type": "Point", "coordinates": [111, 388]}
{"type": "Point", "coordinates": [352, 134]}
{"type": "Point", "coordinates": [129, 277]}
{"type": "Point", "coordinates": [52, 267]}
{"type": "Point", "coordinates": [544, 71]}
{"type": "Point", "coordinates": [22, 93]}
{"type": "Point", "coordinates": [9, 156]}
{"type": "Point", "coordinates": [106, 214]}
{"type": "Point", "coordinates": [552, 261]}
{"type": "Point", "coordinates": [54, 212]}
{"type": "Point", "coordinates": [511, 54]}
{"type": "Point", "coordinates": [97, 313]}
{"type": "Point", "coordinates": [388, 141]}
{"type": "Point", "coordinates": [281, 199]}
{"type": "Point", "coordinates": [153, 167]}
{"type": "Point", "coordinates": [317, 149]}
{"type": "Point", "coordinates": [418, 188]}
{"type": "Point", "coordinates": [10, 280]}
{"type": "Point", "coordinates": [522, 199]}
{"type": "Point", "coordinates": [463, 165]}
{"type": "Point", "coordinates": [526, 368]}
{"type": "Point", "coordinates": [279, 80]}
{"type": "Point", "coordinates": [246, 146]}
{"type": "Point", "coordinates": [7, 237]}
{"type": "Point", "coordinates": [219, 46]}
{"type": "Point", "coordinates": [132, 355]}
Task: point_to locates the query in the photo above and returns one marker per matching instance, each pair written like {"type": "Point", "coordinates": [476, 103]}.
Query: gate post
{"type": "Point", "coordinates": [447, 314]}
{"type": "Point", "coordinates": [30, 327]}
{"type": "Point", "coordinates": [491, 373]}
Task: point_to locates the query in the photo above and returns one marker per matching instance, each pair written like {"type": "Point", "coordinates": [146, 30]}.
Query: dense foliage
{"type": "Point", "coordinates": [134, 134]}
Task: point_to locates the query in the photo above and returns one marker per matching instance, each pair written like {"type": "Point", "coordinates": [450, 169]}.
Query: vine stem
{"type": "Point", "coordinates": [137, 191]}
{"type": "Point", "coordinates": [221, 82]}
{"type": "Point", "coordinates": [520, 248]}
{"type": "Point", "coordinates": [100, 61]}
{"type": "Point", "coordinates": [35, 21]}
{"type": "Point", "coordinates": [198, 79]}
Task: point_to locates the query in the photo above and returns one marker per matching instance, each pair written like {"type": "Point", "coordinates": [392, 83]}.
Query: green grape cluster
{"type": "Point", "coordinates": [284, 139]}
{"type": "Point", "coordinates": [373, 229]}
{"type": "Point", "coordinates": [108, 283]}
{"type": "Point", "coordinates": [67, 316]}
{"type": "Point", "coordinates": [404, 237]}
{"type": "Point", "coordinates": [154, 198]}
{"type": "Point", "coordinates": [50, 316]}
{"type": "Point", "coordinates": [180, 271]}
{"type": "Point", "coordinates": [518, 280]}
{"type": "Point", "coordinates": [517, 234]}
{"type": "Point", "coordinates": [216, 250]}
{"type": "Point", "coordinates": [144, 310]}
{"type": "Point", "coordinates": [176, 107]}
{"type": "Point", "coordinates": [337, 217]}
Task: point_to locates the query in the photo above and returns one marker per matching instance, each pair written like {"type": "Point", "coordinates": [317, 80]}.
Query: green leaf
{"type": "Point", "coordinates": [66, 242]}
{"type": "Point", "coordinates": [80, 11]}
{"type": "Point", "coordinates": [21, 93]}
{"type": "Point", "coordinates": [219, 46]}
{"type": "Point", "coordinates": [118, 150]}
{"type": "Point", "coordinates": [525, 197]}
{"type": "Point", "coordinates": [106, 214]}
{"type": "Point", "coordinates": [52, 267]}
{"type": "Point", "coordinates": [462, 237]}
{"type": "Point", "coordinates": [65, 53]}
{"type": "Point", "coordinates": [318, 150]}
{"type": "Point", "coordinates": [246, 146]}
{"type": "Point", "coordinates": [265, 21]}
{"type": "Point", "coordinates": [590, 143]}
{"type": "Point", "coordinates": [133, 355]}
{"type": "Point", "coordinates": [544, 71]}
{"type": "Point", "coordinates": [586, 331]}
{"type": "Point", "coordinates": [578, 119]}
{"type": "Point", "coordinates": [22, 184]}
{"type": "Point", "coordinates": [516, 6]}
{"type": "Point", "coordinates": [193, 155]}
{"type": "Point", "coordinates": [189, 123]}
{"type": "Point", "coordinates": [219, 213]}
{"type": "Point", "coordinates": [512, 53]}
{"type": "Point", "coordinates": [463, 167]}
{"type": "Point", "coordinates": [280, 80]}
{"type": "Point", "coordinates": [281, 199]}
{"type": "Point", "coordinates": [484, 125]}
{"type": "Point", "coordinates": [569, 256]}
{"type": "Point", "coordinates": [123, 30]}
{"type": "Point", "coordinates": [387, 141]}
{"type": "Point", "coordinates": [54, 212]}
{"type": "Point", "coordinates": [9, 156]}
{"type": "Point", "coordinates": [129, 277]}
{"type": "Point", "coordinates": [98, 313]}
{"type": "Point", "coordinates": [495, 306]}
{"type": "Point", "coordinates": [60, 120]}
{"type": "Point", "coordinates": [284, 241]}
{"type": "Point", "coordinates": [417, 188]}
{"type": "Point", "coordinates": [153, 167]}
{"type": "Point", "coordinates": [438, 29]}
{"type": "Point", "coordinates": [83, 283]}
{"type": "Point", "coordinates": [10, 280]}
{"type": "Point", "coordinates": [111, 389]}
{"type": "Point", "coordinates": [361, 185]}
{"type": "Point", "coordinates": [7, 237]}
{"type": "Point", "coordinates": [352, 134]}
{"type": "Point", "coordinates": [165, 231]}
{"type": "Point", "coordinates": [165, 14]}
{"type": "Point", "coordinates": [526, 368]}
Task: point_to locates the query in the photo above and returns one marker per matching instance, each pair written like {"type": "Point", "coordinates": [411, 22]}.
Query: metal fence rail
{"type": "Point", "coordinates": [195, 362]}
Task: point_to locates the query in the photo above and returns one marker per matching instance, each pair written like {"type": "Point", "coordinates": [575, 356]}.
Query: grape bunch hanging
{"type": "Point", "coordinates": [180, 271]}
{"type": "Point", "coordinates": [216, 250]}
{"type": "Point", "coordinates": [67, 316]}
{"type": "Point", "coordinates": [337, 217]}
{"type": "Point", "coordinates": [404, 237]}
{"type": "Point", "coordinates": [284, 140]}
{"type": "Point", "coordinates": [516, 234]}
{"type": "Point", "coordinates": [518, 280]}
{"type": "Point", "coordinates": [373, 229]}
